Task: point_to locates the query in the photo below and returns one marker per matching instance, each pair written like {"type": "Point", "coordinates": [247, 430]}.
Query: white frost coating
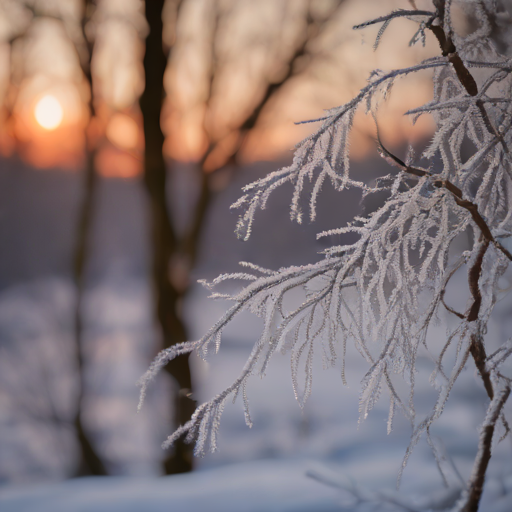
{"type": "Point", "coordinates": [384, 291]}
{"type": "Point", "coordinates": [160, 361]}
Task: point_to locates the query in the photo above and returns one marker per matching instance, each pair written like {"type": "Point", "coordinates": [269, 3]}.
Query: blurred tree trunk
{"type": "Point", "coordinates": [90, 463]}
{"type": "Point", "coordinates": [164, 243]}
{"type": "Point", "coordinates": [173, 256]}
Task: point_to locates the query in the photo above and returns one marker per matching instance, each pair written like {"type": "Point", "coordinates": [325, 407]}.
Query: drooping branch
{"type": "Point", "coordinates": [471, 500]}
{"type": "Point", "coordinates": [477, 348]}
{"type": "Point", "coordinates": [382, 264]}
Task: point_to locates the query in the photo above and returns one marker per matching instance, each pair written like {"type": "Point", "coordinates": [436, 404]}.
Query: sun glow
{"type": "Point", "coordinates": [48, 112]}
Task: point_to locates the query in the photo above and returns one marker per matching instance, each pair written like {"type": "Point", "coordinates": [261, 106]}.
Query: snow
{"type": "Point", "coordinates": [273, 486]}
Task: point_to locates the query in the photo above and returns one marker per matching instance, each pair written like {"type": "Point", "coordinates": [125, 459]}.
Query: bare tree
{"type": "Point", "coordinates": [384, 291]}
{"type": "Point", "coordinates": [163, 236]}
{"type": "Point", "coordinates": [174, 255]}
{"type": "Point", "coordinates": [89, 460]}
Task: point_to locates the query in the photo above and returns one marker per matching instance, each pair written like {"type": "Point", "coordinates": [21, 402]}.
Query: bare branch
{"type": "Point", "coordinates": [400, 13]}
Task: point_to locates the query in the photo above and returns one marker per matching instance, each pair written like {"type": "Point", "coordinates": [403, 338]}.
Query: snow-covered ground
{"type": "Point", "coordinates": [247, 487]}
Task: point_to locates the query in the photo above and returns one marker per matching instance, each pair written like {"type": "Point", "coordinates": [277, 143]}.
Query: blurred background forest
{"type": "Point", "coordinates": [126, 131]}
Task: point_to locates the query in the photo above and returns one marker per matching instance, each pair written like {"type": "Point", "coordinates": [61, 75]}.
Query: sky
{"type": "Point", "coordinates": [220, 61]}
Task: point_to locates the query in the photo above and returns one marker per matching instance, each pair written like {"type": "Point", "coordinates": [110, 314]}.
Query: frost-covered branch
{"type": "Point", "coordinates": [384, 291]}
{"type": "Point", "coordinates": [401, 13]}
{"type": "Point", "coordinates": [325, 153]}
{"type": "Point", "coordinates": [471, 207]}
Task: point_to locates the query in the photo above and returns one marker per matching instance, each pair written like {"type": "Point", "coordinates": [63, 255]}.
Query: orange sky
{"type": "Point", "coordinates": [117, 128]}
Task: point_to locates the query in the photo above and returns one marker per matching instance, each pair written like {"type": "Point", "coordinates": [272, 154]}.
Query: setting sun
{"type": "Point", "coordinates": [48, 112]}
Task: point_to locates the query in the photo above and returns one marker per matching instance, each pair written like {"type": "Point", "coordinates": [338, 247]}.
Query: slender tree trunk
{"type": "Point", "coordinates": [163, 238]}
{"type": "Point", "coordinates": [90, 463]}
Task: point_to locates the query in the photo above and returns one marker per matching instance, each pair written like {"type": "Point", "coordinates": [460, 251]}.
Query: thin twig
{"type": "Point", "coordinates": [401, 13]}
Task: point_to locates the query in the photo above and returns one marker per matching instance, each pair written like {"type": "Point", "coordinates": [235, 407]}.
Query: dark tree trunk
{"type": "Point", "coordinates": [163, 238]}
{"type": "Point", "coordinates": [90, 463]}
